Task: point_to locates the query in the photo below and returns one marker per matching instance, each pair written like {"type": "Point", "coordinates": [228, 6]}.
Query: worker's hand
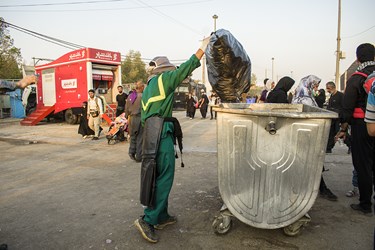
{"type": "Point", "coordinates": [26, 81]}
{"type": "Point", "coordinates": [204, 44]}
{"type": "Point", "coordinates": [340, 134]}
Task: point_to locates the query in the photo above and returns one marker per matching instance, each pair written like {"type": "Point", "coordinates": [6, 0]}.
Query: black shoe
{"type": "Point", "coordinates": [95, 138]}
{"type": "Point", "coordinates": [327, 194]}
{"type": "Point", "coordinates": [171, 220]}
{"type": "Point", "coordinates": [147, 230]}
{"type": "Point", "coordinates": [329, 151]}
{"type": "Point", "coordinates": [132, 156]}
{"type": "Point", "coordinates": [3, 247]}
{"type": "Point", "coordinates": [358, 207]}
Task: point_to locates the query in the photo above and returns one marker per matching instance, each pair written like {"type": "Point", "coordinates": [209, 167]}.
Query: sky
{"type": "Point", "coordinates": [299, 34]}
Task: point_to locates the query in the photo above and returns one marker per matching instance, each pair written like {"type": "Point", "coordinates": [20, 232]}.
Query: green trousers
{"type": "Point", "coordinates": [165, 162]}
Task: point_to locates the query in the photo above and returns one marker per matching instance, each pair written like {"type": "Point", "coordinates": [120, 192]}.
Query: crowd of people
{"type": "Point", "coordinates": [127, 120]}
{"type": "Point", "coordinates": [153, 131]}
{"type": "Point", "coordinates": [205, 102]}
{"type": "Point", "coordinates": [350, 106]}
{"type": "Point", "coordinates": [355, 125]}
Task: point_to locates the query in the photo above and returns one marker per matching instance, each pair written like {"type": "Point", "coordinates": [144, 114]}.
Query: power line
{"type": "Point", "coordinates": [66, 44]}
{"type": "Point", "coordinates": [360, 33]}
{"type": "Point", "coordinates": [109, 9]}
{"type": "Point", "coordinates": [147, 60]}
{"type": "Point", "coordinates": [52, 4]}
{"type": "Point", "coordinates": [169, 17]}
{"type": "Point", "coordinates": [42, 38]}
{"type": "Point", "coordinates": [50, 39]}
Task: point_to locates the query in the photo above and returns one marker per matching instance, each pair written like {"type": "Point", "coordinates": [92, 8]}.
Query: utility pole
{"type": "Point", "coordinates": [215, 17]}
{"type": "Point", "coordinates": [204, 68]}
{"type": "Point", "coordinates": [338, 51]}
{"type": "Point", "coordinates": [204, 56]}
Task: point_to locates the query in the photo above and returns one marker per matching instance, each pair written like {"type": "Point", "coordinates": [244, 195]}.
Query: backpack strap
{"type": "Point", "coordinates": [360, 73]}
{"type": "Point", "coordinates": [369, 82]}
{"type": "Point", "coordinates": [360, 112]}
{"type": "Point", "coordinates": [97, 105]}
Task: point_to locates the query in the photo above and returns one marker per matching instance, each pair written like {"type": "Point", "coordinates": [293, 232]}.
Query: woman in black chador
{"type": "Point", "coordinates": [83, 128]}
{"type": "Point", "coordinates": [203, 104]}
{"type": "Point", "coordinates": [190, 106]}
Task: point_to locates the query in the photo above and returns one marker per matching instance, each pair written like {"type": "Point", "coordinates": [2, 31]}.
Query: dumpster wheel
{"type": "Point", "coordinates": [222, 224]}
{"type": "Point", "coordinates": [295, 228]}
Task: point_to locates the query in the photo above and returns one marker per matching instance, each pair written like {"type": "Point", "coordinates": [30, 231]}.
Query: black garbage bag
{"type": "Point", "coordinates": [228, 66]}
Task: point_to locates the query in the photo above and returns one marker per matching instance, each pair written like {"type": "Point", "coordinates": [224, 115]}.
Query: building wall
{"type": "Point", "coordinates": [344, 77]}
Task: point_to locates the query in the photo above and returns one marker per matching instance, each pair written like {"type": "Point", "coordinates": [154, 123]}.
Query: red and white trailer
{"type": "Point", "coordinates": [64, 83]}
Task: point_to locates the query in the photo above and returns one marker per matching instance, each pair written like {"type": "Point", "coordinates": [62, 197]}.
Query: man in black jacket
{"type": "Point", "coordinates": [121, 100]}
{"type": "Point", "coordinates": [363, 145]}
{"type": "Point", "coordinates": [335, 105]}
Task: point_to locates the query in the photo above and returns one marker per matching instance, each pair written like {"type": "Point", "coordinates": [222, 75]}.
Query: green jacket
{"type": "Point", "coordinates": [157, 98]}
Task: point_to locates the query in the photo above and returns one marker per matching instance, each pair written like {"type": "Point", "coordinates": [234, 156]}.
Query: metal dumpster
{"type": "Point", "coordinates": [270, 160]}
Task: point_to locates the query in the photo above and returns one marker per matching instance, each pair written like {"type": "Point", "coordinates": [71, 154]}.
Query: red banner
{"type": "Point", "coordinates": [96, 77]}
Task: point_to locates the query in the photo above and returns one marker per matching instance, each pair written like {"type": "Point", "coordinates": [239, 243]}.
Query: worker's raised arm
{"type": "Point", "coordinates": [200, 52]}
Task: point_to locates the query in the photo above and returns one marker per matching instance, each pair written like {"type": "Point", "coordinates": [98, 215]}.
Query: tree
{"type": "Point", "coordinates": [254, 89]}
{"type": "Point", "coordinates": [10, 56]}
{"type": "Point", "coordinates": [253, 79]}
{"type": "Point", "coordinates": [133, 68]}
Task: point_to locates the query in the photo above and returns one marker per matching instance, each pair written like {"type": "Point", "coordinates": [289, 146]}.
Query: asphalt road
{"type": "Point", "coordinates": [59, 191]}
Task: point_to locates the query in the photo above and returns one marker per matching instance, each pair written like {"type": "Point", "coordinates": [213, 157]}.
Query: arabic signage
{"type": "Point", "coordinates": [69, 84]}
{"type": "Point", "coordinates": [104, 55]}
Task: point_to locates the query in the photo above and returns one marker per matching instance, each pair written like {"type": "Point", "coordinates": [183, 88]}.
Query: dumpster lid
{"type": "Point", "coordinates": [277, 110]}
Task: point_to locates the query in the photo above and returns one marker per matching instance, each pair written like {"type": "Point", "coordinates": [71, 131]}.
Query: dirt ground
{"type": "Point", "coordinates": [59, 191]}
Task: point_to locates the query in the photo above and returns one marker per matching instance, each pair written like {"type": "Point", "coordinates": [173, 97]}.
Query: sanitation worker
{"type": "Point", "coordinates": [158, 159]}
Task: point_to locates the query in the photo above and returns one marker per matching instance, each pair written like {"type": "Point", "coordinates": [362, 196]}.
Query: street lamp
{"type": "Point", "coordinates": [215, 17]}
{"type": "Point", "coordinates": [272, 68]}
{"type": "Point", "coordinates": [338, 51]}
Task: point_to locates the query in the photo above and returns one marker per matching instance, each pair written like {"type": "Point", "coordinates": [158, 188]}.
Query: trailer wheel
{"type": "Point", "coordinates": [70, 118]}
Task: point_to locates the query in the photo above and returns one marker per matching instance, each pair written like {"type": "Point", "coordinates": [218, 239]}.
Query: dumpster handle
{"type": "Point", "coordinates": [271, 127]}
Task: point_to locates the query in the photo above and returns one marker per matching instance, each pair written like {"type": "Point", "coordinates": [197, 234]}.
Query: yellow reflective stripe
{"type": "Point", "coordinates": [160, 97]}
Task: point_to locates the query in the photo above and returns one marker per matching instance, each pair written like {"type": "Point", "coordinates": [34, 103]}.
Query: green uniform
{"type": "Point", "coordinates": [157, 100]}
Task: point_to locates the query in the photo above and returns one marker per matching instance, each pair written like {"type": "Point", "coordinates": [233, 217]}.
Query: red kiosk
{"type": "Point", "coordinates": [64, 83]}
